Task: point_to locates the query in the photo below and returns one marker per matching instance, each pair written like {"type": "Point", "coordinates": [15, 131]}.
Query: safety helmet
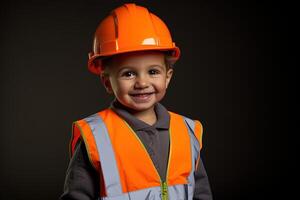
{"type": "Point", "coordinates": [130, 28]}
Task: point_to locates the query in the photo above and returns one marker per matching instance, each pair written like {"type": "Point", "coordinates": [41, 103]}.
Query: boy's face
{"type": "Point", "coordinates": [138, 79]}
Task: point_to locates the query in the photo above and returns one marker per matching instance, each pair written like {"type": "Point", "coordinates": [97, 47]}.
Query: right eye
{"type": "Point", "coordinates": [128, 74]}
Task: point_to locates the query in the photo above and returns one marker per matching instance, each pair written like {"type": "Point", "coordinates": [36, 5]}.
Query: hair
{"type": "Point", "coordinates": [107, 61]}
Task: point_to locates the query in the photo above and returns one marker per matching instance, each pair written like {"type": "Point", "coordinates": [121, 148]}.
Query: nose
{"type": "Point", "coordinates": [141, 82]}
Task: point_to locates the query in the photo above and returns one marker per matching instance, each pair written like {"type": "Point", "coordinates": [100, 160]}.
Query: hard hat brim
{"type": "Point", "coordinates": [98, 69]}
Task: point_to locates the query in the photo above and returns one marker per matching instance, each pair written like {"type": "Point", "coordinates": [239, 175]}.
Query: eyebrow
{"type": "Point", "coordinates": [157, 65]}
{"type": "Point", "coordinates": [124, 68]}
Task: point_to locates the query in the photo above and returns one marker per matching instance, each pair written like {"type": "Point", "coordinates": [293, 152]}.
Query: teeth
{"type": "Point", "coordinates": [144, 94]}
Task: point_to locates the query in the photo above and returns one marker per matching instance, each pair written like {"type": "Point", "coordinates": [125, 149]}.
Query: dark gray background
{"type": "Point", "coordinates": [231, 77]}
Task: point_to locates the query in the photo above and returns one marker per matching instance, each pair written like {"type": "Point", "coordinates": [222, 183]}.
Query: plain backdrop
{"type": "Point", "coordinates": [230, 77]}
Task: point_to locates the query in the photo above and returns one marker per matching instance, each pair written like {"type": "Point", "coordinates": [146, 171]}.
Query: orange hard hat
{"type": "Point", "coordinates": [130, 28]}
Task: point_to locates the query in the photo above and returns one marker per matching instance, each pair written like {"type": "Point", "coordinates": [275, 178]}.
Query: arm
{"type": "Point", "coordinates": [82, 180]}
{"type": "Point", "coordinates": [202, 187]}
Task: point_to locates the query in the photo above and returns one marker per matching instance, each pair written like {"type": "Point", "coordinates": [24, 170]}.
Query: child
{"type": "Point", "coordinates": [135, 149]}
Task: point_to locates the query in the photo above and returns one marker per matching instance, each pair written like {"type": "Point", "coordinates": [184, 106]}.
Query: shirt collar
{"type": "Point", "coordinates": [163, 116]}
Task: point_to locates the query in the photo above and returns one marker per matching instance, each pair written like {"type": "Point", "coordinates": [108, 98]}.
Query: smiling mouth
{"type": "Point", "coordinates": [141, 94]}
{"type": "Point", "coordinates": [142, 97]}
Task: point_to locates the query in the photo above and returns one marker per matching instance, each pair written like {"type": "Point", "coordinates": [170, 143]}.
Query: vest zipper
{"type": "Point", "coordinates": [164, 191]}
{"type": "Point", "coordinates": [164, 184]}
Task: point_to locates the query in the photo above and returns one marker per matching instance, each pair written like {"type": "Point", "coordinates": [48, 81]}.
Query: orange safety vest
{"type": "Point", "coordinates": [124, 165]}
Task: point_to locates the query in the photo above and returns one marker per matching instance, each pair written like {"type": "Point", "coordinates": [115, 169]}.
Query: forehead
{"type": "Point", "coordinates": [142, 58]}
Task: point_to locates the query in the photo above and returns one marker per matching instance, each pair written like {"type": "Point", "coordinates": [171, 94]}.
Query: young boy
{"type": "Point", "coordinates": [135, 149]}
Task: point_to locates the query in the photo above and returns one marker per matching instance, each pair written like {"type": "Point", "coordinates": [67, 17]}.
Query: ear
{"type": "Point", "coordinates": [168, 77]}
{"type": "Point", "coordinates": [106, 82]}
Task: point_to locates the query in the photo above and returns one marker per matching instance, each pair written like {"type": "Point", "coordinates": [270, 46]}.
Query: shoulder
{"type": "Point", "coordinates": [93, 115]}
{"type": "Point", "coordinates": [194, 125]}
{"type": "Point", "coordinates": [187, 119]}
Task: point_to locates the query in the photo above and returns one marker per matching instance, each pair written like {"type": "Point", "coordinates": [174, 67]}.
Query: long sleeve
{"type": "Point", "coordinates": [202, 186]}
{"type": "Point", "coordinates": [82, 180]}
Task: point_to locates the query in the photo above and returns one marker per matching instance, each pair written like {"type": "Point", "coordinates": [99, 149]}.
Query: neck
{"type": "Point", "coordinates": [147, 116]}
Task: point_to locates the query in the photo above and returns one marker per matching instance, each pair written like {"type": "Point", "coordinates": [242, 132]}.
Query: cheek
{"type": "Point", "coordinates": [114, 85]}
{"type": "Point", "coordinates": [121, 87]}
{"type": "Point", "coordinates": [161, 93]}
{"type": "Point", "coordinates": [161, 85]}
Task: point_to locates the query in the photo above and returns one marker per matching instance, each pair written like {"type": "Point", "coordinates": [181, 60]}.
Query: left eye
{"type": "Point", "coordinates": [153, 71]}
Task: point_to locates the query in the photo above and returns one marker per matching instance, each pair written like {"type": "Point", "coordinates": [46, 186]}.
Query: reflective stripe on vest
{"type": "Point", "coordinates": [127, 168]}
{"type": "Point", "coordinates": [196, 146]}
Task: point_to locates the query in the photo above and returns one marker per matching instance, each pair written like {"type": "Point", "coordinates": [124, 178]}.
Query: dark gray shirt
{"type": "Point", "coordinates": [82, 181]}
